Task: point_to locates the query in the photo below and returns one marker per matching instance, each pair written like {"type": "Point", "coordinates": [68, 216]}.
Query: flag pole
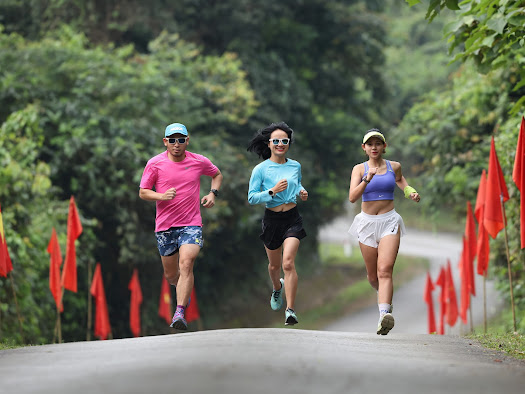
{"type": "Point", "coordinates": [508, 262]}
{"type": "Point", "coordinates": [89, 303]}
{"type": "Point", "coordinates": [470, 314]}
{"type": "Point", "coordinates": [485, 302]}
{"type": "Point", "coordinates": [58, 325]}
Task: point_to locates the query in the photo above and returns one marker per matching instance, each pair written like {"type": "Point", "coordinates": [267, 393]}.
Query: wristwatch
{"type": "Point", "coordinates": [215, 191]}
{"type": "Point", "coordinates": [363, 179]}
{"type": "Point", "coordinates": [270, 192]}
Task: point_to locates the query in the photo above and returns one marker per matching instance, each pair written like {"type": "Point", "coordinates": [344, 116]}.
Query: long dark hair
{"type": "Point", "coordinates": [259, 142]}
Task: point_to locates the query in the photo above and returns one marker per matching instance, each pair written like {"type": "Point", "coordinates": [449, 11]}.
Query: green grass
{"type": "Point", "coordinates": [500, 335]}
{"type": "Point", "coordinates": [9, 344]}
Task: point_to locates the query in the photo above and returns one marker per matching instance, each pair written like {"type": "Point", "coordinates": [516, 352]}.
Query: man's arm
{"type": "Point", "coordinates": [208, 200]}
{"type": "Point", "coordinates": [150, 195]}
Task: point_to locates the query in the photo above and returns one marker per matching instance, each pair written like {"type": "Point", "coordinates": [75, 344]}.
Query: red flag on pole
{"type": "Point", "coordinates": [192, 311]}
{"type": "Point", "coordinates": [471, 239]}
{"type": "Point", "coordinates": [135, 302]}
{"type": "Point", "coordinates": [165, 309]}
{"type": "Point", "coordinates": [518, 176]}
{"type": "Point", "coordinates": [6, 265]}
{"type": "Point", "coordinates": [429, 287]}
{"type": "Point", "coordinates": [74, 229]}
{"type": "Point", "coordinates": [102, 326]}
{"type": "Point", "coordinates": [496, 194]}
{"type": "Point", "coordinates": [452, 303]}
{"type": "Point", "coordinates": [441, 281]}
{"type": "Point", "coordinates": [55, 260]}
{"type": "Point", "coordinates": [465, 281]}
{"type": "Point", "coordinates": [483, 246]}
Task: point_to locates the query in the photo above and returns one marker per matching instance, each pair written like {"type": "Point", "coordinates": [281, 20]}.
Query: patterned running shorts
{"type": "Point", "coordinates": [169, 241]}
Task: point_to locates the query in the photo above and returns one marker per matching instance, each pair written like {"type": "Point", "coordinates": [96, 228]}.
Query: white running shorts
{"type": "Point", "coordinates": [369, 229]}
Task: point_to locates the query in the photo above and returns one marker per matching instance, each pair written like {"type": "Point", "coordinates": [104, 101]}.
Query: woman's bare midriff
{"type": "Point", "coordinates": [377, 207]}
{"type": "Point", "coordinates": [283, 207]}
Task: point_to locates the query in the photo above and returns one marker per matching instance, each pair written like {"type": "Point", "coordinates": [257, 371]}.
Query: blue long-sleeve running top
{"type": "Point", "coordinates": [266, 174]}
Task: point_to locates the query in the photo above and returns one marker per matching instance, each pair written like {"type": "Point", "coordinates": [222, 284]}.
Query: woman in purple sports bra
{"type": "Point", "coordinates": [378, 227]}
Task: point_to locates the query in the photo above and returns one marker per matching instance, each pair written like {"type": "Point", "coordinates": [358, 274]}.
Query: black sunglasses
{"type": "Point", "coordinates": [181, 140]}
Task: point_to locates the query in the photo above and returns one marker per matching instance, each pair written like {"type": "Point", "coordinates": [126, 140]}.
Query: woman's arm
{"type": "Point", "coordinates": [402, 183]}
{"type": "Point", "coordinates": [357, 184]}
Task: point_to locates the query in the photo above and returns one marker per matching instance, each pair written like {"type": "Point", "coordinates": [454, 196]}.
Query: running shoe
{"type": "Point", "coordinates": [385, 324]}
{"type": "Point", "coordinates": [179, 322]}
{"type": "Point", "coordinates": [290, 317]}
{"type": "Point", "coordinates": [276, 300]}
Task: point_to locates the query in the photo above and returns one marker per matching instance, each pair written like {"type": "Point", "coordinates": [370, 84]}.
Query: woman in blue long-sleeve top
{"type": "Point", "coordinates": [276, 182]}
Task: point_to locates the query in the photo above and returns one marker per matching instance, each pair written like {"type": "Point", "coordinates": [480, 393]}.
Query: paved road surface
{"type": "Point", "coordinates": [410, 311]}
{"type": "Point", "coordinates": [261, 361]}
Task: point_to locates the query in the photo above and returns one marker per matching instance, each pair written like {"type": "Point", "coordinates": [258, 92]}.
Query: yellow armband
{"type": "Point", "coordinates": [408, 191]}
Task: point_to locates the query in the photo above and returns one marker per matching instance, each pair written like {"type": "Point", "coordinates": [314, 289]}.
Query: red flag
{"type": "Point", "coordinates": [6, 265]}
{"type": "Point", "coordinates": [452, 303]}
{"type": "Point", "coordinates": [74, 229]}
{"type": "Point", "coordinates": [102, 326]}
{"type": "Point", "coordinates": [465, 281]}
{"type": "Point", "coordinates": [482, 247]}
{"type": "Point", "coordinates": [55, 260]}
{"type": "Point", "coordinates": [470, 234]}
{"type": "Point", "coordinates": [192, 311]}
{"type": "Point", "coordinates": [165, 310]}
{"type": "Point", "coordinates": [480, 197]}
{"type": "Point", "coordinates": [496, 194]}
{"type": "Point", "coordinates": [441, 281]}
{"type": "Point", "coordinates": [518, 176]}
{"type": "Point", "coordinates": [135, 302]}
{"type": "Point", "coordinates": [429, 287]}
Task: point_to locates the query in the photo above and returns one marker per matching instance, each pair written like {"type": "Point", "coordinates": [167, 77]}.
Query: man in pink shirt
{"type": "Point", "coordinates": [175, 177]}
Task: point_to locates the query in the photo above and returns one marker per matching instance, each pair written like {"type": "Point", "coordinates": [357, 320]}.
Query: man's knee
{"type": "Point", "coordinates": [186, 266]}
{"type": "Point", "coordinates": [172, 278]}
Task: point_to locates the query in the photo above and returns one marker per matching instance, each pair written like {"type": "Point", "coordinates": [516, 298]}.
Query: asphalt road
{"type": "Point", "coordinates": [347, 357]}
{"type": "Point", "coordinates": [261, 361]}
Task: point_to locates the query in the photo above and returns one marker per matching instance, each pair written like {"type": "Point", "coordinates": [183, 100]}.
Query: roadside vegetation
{"type": "Point", "coordinates": [500, 335]}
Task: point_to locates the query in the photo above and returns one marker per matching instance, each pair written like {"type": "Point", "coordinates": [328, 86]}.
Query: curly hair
{"type": "Point", "coordinates": [259, 142]}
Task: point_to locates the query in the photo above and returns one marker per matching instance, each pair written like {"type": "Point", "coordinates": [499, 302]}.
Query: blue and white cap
{"type": "Point", "coordinates": [175, 128]}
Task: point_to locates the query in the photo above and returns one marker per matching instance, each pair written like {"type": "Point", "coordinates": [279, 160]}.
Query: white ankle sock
{"type": "Point", "coordinates": [384, 308]}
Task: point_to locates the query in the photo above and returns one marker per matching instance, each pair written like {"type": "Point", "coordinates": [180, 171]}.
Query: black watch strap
{"type": "Point", "coordinates": [215, 191]}
{"type": "Point", "coordinates": [270, 192]}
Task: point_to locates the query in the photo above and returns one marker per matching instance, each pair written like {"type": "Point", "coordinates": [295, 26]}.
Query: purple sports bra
{"type": "Point", "coordinates": [381, 187]}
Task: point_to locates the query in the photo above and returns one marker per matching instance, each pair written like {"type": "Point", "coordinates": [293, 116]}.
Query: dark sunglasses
{"type": "Point", "coordinates": [276, 141]}
{"type": "Point", "coordinates": [179, 140]}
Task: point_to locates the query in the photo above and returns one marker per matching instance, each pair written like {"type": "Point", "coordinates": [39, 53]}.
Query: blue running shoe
{"type": "Point", "coordinates": [290, 317]}
{"type": "Point", "coordinates": [276, 300]}
{"type": "Point", "coordinates": [179, 322]}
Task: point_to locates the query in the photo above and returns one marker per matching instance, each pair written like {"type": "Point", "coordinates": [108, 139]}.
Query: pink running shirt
{"type": "Point", "coordinates": [161, 173]}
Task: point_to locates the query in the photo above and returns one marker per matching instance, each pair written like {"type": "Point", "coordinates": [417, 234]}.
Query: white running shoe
{"type": "Point", "coordinates": [385, 324]}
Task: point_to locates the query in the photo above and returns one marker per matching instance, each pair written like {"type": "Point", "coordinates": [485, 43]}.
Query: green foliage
{"type": "Point", "coordinates": [416, 58]}
{"type": "Point", "coordinates": [85, 119]}
{"type": "Point", "coordinates": [490, 33]}
{"type": "Point", "coordinates": [450, 131]}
